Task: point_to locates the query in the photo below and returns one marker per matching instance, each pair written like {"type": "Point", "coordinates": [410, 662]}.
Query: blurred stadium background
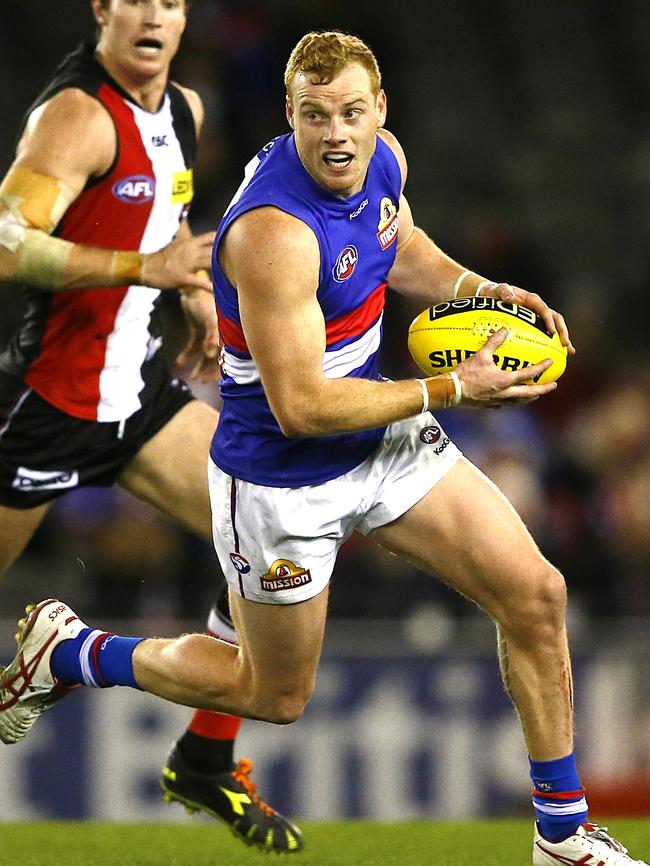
{"type": "Point", "coordinates": [527, 128]}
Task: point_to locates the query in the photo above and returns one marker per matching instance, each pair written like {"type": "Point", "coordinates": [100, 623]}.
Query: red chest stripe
{"type": "Point", "coordinates": [80, 322]}
{"type": "Point", "coordinates": [357, 321]}
{"type": "Point", "coordinates": [349, 325]}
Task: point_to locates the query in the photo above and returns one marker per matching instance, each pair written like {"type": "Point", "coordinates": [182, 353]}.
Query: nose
{"type": "Point", "coordinates": [335, 133]}
{"type": "Point", "coordinates": [153, 10]}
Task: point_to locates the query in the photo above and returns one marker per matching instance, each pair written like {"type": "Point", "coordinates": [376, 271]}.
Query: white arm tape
{"type": "Point", "coordinates": [12, 231]}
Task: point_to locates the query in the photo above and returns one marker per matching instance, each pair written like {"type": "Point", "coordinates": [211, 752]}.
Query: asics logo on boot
{"type": "Point", "coordinates": [53, 614]}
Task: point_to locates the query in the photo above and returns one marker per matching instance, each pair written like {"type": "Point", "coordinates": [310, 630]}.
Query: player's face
{"type": "Point", "coordinates": [139, 38]}
{"type": "Point", "coordinates": [336, 127]}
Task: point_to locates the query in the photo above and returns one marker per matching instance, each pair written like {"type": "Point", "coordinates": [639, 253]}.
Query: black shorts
{"type": "Point", "coordinates": [45, 453]}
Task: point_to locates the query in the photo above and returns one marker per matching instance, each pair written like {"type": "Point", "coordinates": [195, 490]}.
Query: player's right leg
{"type": "Point", "coordinates": [23, 501]}
{"type": "Point", "coordinates": [200, 770]}
{"type": "Point", "coordinates": [17, 526]}
{"type": "Point", "coordinates": [270, 676]}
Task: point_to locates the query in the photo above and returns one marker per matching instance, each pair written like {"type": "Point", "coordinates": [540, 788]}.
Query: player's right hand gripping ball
{"type": "Point", "coordinates": [447, 333]}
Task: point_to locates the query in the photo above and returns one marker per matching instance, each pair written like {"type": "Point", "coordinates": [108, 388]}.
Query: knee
{"type": "Point", "coordinates": [537, 611]}
{"type": "Point", "coordinates": [286, 705]}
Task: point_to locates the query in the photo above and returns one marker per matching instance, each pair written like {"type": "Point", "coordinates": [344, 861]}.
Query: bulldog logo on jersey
{"type": "Point", "coordinates": [388, 223]}
{"type": "Point", "coordinates": [284, 574]}
{"type": "Point", "coordinates": [345, 263]}
{"type": "Point", "coordinates": [240, 562]}
{"type": "Point", "coordinates": [137, 189]}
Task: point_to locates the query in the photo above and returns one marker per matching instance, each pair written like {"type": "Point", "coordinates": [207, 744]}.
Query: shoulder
{"type": "Point", "coordinates": [272, 228]}
{"type": "Point", "coordinates": [266, 245]}
{"type": "Point", "coordinates": [73, 107]}
{"type": "Point", "coordinates": [194, 103]}
{"type": "Point", "coordinates": [71, 125]}
{"type": "Point", "coordinates": [389, 139]}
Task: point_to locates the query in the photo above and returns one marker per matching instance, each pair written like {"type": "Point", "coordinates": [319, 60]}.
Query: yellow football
{"type": "Point", "coordinates": [447, 333]}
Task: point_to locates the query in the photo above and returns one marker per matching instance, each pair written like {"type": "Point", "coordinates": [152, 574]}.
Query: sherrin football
{"type": "Point", "coordinates": [447, 333]}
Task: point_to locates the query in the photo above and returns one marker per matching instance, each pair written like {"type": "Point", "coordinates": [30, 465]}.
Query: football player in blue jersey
{"type": "Point", "coordinates": [313, 444]}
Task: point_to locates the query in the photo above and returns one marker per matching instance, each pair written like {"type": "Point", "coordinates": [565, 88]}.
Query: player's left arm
{"type": "Point", "coordinates": [203, 344]}
{"type": "Point", "coordinates": [425, 273]}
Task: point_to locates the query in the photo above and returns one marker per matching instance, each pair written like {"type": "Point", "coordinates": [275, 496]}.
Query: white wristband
{"type": "Point", "coordinates": [459, 390]}
{"type": "Point", "coordinates": [425, 395]}
{"type": "Point", "coordinates": [460, 280]}
{"type": "Point", "coordinates": [482, 285]}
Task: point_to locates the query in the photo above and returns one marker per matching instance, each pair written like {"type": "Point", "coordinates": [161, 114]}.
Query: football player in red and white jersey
{"type": "Point", "coordinates": [93, 219]}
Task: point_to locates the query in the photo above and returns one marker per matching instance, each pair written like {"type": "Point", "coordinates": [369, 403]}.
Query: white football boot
{"type": "Point", "coordinates": [27, 686]}
{"type": "Point", "coordinates": [589, 846]}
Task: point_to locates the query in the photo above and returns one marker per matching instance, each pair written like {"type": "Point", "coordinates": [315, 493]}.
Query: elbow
{"type": "Point", "coordinates": [296, 425]}
{"type": "Point", "coordinates": [298, 419]}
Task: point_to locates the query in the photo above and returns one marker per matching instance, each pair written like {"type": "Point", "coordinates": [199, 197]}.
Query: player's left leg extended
{"type": "Point", "coordinates": [466, 532]}
{"type": "Point", "coordinates": [200, 771]}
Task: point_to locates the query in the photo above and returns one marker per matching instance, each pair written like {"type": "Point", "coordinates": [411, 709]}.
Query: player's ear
{"type": "Point", "coordinates": [289, 113]}
{"type": "Point", "coordinates": [382, 107]}
{"type": "Point", "coordinates": [98, 10]}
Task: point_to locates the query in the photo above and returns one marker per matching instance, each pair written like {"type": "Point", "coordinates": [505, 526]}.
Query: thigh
{"type": "Point", "coordinates": [170, 469]}
{"type": "Point", "coordinates": [465, 532]}
{"type": "Point", "coordinates": [16, 529]}
{"type": "Point", "coordinates": [280, 645]}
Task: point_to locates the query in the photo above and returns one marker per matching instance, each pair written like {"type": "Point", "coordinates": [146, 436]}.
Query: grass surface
{"type": "Point", "coordinates": [479, 843]}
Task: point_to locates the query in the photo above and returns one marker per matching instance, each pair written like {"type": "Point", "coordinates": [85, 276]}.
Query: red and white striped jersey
{"type": "Point", "coordinates": [86, 352]}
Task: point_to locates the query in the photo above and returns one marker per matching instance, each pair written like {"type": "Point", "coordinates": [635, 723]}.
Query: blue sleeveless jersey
{"type": "Point", "coordinates": [358, 242]}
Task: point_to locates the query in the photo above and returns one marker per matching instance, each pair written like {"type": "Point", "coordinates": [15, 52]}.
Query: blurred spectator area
{"type": "Point", "coordinates": [526, 128]}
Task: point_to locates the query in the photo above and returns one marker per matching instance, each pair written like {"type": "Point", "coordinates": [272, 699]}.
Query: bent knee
{"type": "Point", "coordinates": [285, 706]}
{"type": "Point", "coordinates": [538, 609]}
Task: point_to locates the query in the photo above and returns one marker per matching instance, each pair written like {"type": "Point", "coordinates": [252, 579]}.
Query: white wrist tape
{"type": "Point", "coordinates": [425, 396]}
{"type": "Point", "coordinates": [459, 389]}
{"type": "Point", "coordinates": [460, 279]}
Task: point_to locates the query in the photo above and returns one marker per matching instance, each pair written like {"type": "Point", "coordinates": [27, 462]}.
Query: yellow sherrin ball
{"type": "Point", "coordinates": [447, 333]}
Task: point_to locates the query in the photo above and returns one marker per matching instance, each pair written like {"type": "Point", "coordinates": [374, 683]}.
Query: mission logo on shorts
{"type": "Point", "coordinates": [284, 574]}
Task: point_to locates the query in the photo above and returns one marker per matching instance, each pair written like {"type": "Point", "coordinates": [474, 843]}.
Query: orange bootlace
{"type": "Point", "coordinates": [242, 773]}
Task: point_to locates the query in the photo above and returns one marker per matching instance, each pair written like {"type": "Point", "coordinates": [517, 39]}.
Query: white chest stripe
{"type": "Point", "coordinates": [120, 381]}
{"type": "Point", "coordinates": [336, 364]}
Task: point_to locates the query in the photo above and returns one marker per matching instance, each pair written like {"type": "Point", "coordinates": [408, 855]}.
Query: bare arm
{"type": "Point", "coordinates": [273, 260]}
{"type": "Point", "coordinates": [428, 275]}
{"type": "Point", "coordinates": [68, 141]}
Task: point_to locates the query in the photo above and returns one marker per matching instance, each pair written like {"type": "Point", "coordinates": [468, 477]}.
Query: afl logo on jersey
{"type": "Point", "coordinates": [137, 189]}
{"type": "Point", "coordinates": [345, 263]}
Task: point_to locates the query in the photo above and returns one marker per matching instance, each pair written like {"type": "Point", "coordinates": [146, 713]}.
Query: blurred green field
{"type": "Point", "coordinates": [479, 843]}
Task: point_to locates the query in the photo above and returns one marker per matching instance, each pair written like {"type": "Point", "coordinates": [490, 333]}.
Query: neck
{"type": "Point", "coordinates": [147, 91]}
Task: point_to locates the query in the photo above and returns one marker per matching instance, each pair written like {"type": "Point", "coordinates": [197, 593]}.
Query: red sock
{"type": "Point", "coordinates": [214, 726]}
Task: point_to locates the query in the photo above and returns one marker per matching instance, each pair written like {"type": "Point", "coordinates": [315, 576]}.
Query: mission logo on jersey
{"type": "Point", "coordinates": [284, 574]}
{"type": "Point", "coordinates": [388, 223]}
{"type": "Point", "coordinates": [137, 189]}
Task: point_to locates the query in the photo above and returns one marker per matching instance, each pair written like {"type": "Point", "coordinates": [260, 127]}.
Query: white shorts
{"type": "Point", "coordinates": [278, 545]}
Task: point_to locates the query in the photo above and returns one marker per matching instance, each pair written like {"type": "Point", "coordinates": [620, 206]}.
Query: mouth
{"type": "Point", "coordinates": [149, 45]}
{"type": "Point", "coordinates": [337, 161]}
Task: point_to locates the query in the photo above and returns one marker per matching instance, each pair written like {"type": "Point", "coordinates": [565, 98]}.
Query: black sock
{"type": "Point", "coordinates": [203, 755]}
